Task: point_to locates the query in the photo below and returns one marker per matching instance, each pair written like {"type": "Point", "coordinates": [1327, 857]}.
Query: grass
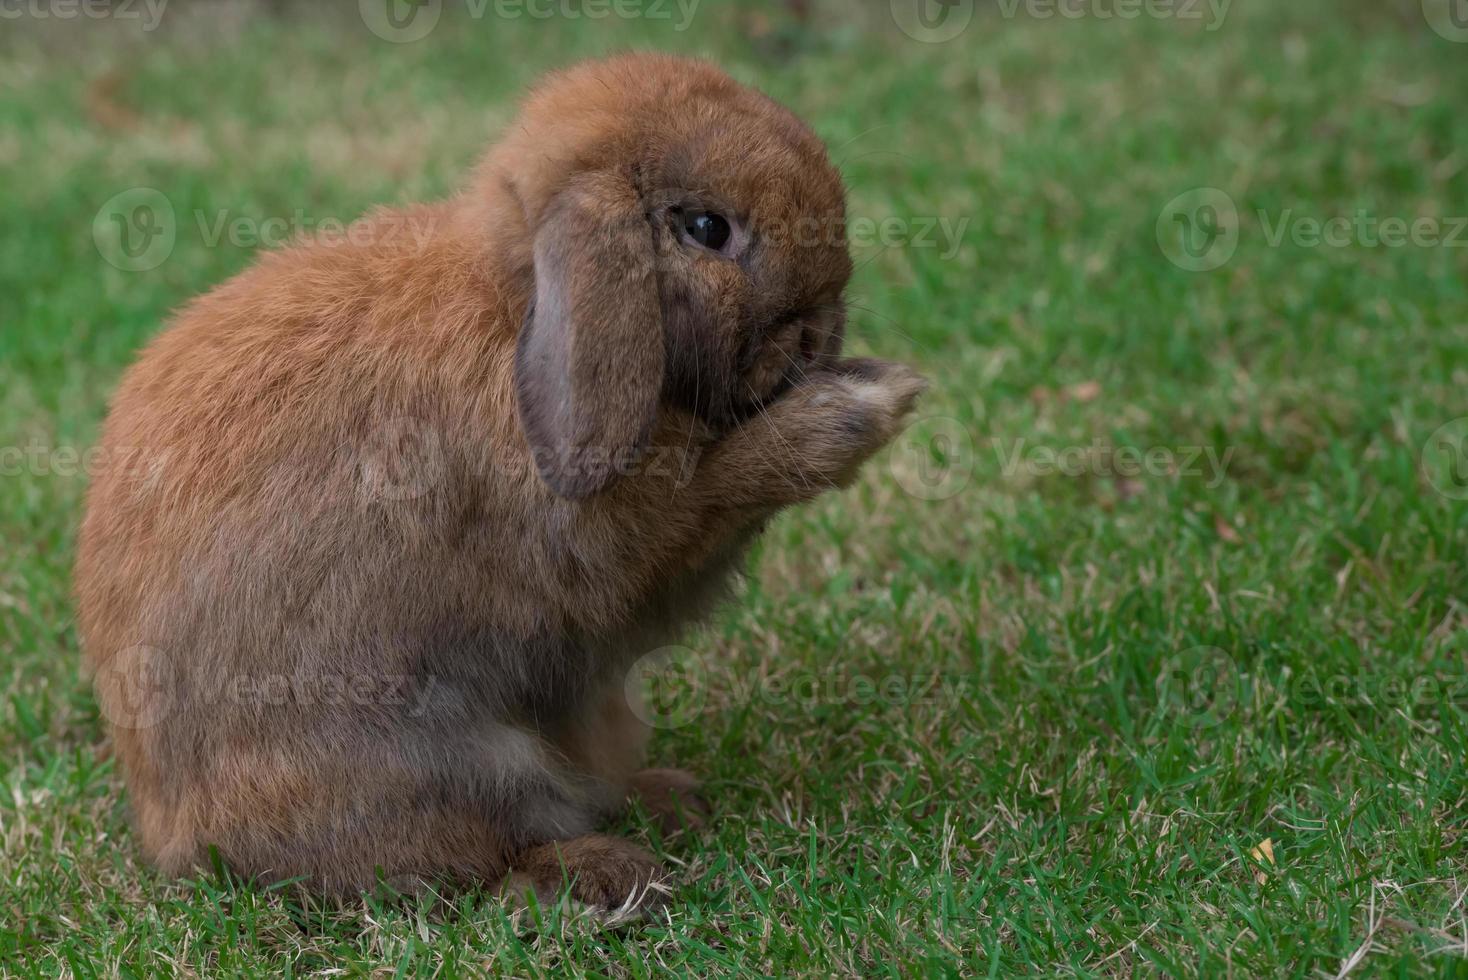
{"type": "Point", "coordinates": [1013, 704]}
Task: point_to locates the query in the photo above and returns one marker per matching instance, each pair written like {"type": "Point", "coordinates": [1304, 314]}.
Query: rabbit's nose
{"type": "Point", "coordinates": [808, 343]}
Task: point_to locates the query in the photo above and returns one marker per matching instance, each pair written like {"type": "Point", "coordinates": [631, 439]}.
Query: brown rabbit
{"type": "Point", "coordinates": [394, 512]}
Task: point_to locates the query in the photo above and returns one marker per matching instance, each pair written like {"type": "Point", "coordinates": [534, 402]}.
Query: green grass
{"type": "Point", "coordinates": [967, 734]}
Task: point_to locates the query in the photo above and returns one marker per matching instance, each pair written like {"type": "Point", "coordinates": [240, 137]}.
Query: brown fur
{"type": "Point", "coordinates": [328, 478]}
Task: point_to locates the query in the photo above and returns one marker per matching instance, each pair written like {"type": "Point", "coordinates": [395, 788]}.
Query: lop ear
{"type": "Point", "coordinates": [589, 362]}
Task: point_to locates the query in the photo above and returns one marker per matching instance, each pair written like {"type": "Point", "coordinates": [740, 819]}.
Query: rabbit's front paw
{"type": "Point", "coordinates": [875, 397]}
{"type": "Point", "coordinates": [610, 874]}
{"type": "Point", "coordinates": [671, 798]}
{"type": "Point", "coordinates": [836, 418]}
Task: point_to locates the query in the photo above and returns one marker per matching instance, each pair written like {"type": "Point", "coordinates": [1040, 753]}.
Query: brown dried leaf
{"type": "Point", "coordinates": [1264, 854]}
{"type": "Point", "coordinates": [1086, 391]}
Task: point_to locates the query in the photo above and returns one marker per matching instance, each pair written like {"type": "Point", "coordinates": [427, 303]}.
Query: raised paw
{"type": "Point", "coordinates": [887, 391]}
{"type": "Point", "coordinates": [838, 418]}
{"type": "Point", "coordinates": [608, 873]}
{"type": "Point", "coordinates": [813, 437]}
{"type": "Point", "coordinates": [671, 798]}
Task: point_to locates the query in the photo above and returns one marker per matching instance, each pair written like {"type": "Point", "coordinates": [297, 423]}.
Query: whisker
{"type": "Point", "coordinates": [792, 455]}
{"type": "Point", "coordinates": [885, 326]}
{"type": "Point", "coordinates": [800, 368]}
{"type": "Point", "coordinates": [697, 389]}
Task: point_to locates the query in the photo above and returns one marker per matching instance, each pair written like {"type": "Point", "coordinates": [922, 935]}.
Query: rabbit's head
{"type": "Point", "coordinates": [687, 236]}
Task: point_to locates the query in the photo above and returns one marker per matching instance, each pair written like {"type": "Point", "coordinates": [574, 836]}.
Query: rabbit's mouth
{"type": "Point", "coordinates": [783, 357]}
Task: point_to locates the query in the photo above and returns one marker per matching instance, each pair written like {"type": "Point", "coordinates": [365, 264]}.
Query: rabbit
{"type": "Point", "coordinates": [393, 511]}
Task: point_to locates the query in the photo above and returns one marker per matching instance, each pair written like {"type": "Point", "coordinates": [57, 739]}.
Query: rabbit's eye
{"type": "Point", "coordinates": [708, 229]}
